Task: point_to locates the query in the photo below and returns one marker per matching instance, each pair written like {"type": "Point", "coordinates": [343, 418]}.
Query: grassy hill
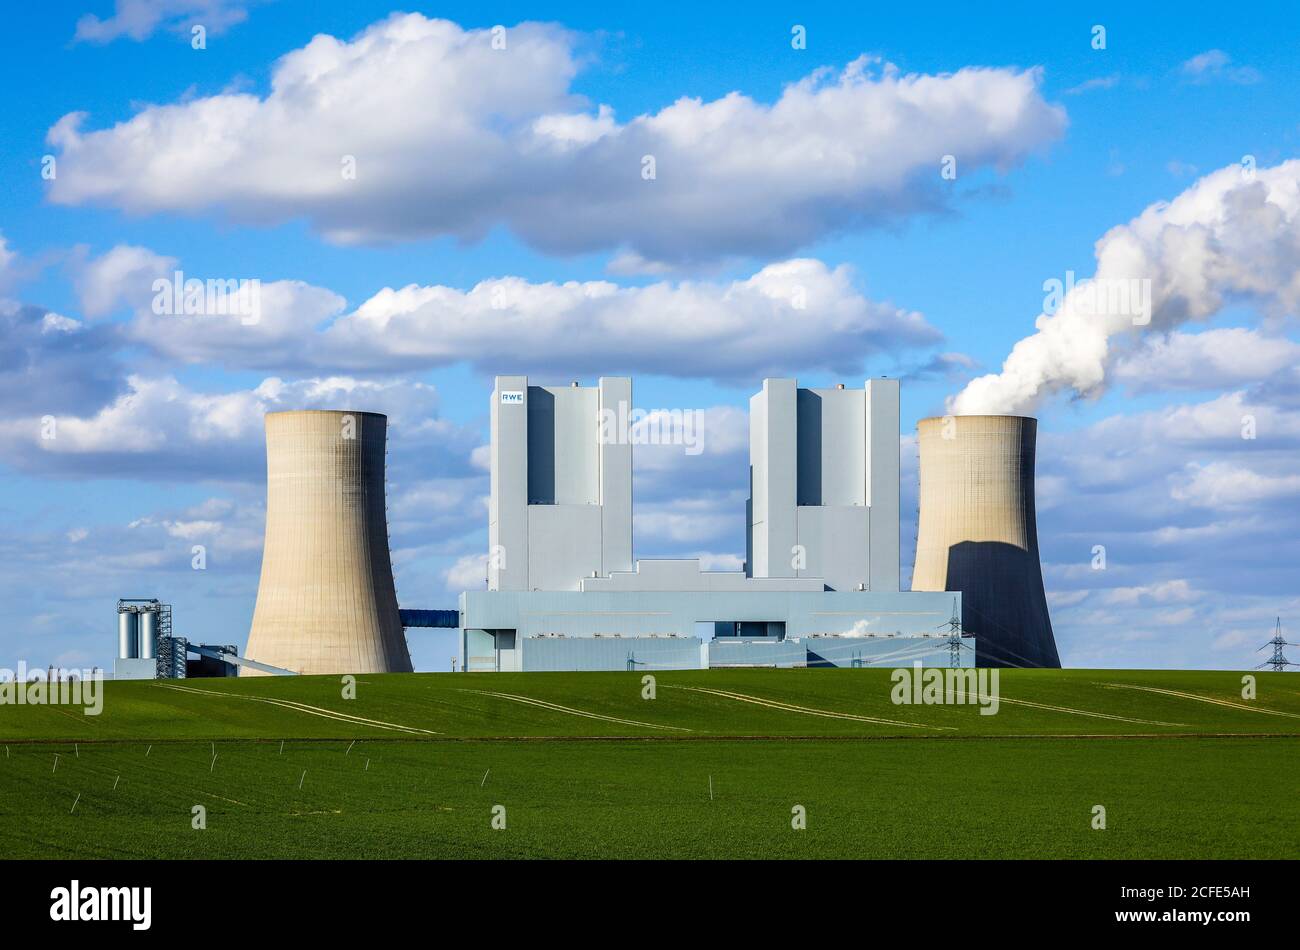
{"type": "Point", "coordinates": [711, 767]}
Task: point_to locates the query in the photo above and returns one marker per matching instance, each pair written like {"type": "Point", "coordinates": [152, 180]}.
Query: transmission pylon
{"type": "Point", "coordinates": [954, 637]}
{"type": "Point", "coordinates": [1278, 660]}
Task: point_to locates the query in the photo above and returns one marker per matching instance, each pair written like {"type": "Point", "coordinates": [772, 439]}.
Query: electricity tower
{"type": "Point", "coordinates": [954, 637]}
{"type": "Point", "coordinates": [1278, 661]}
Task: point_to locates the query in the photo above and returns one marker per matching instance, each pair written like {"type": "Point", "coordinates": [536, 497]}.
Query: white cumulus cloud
{"type": "Point", "coordinates": [1226, 484]}
{"type": "Point", "coordinates": [792, 314]}
{"type": "Point", "coordinates": [797, 313]}
{"type": "Point", "coordinates": [1214, 359]}
{"type": "Point", "coordinates": [159, 428]}
{"type": "Point", "coordinates": [123, 275]}
{"type": "Point", "coordinates": [417, 127]}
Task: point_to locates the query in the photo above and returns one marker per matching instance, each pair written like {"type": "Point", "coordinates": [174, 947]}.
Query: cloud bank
{"type": "Point", "coordinates": [795, 314]}
{"type": "Point", "coordinates": [418, 128]}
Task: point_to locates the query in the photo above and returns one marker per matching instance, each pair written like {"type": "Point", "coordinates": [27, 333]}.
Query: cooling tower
{"type": "Point", "coordinates": [978, 535]}
{"type": "Point", "coordinates": [326, 602]}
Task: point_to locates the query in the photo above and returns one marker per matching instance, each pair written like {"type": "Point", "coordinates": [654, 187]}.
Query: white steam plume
{"type": "Point", "coordinates": [1233, 235]}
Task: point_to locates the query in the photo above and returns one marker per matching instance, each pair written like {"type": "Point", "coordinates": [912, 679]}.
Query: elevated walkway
{"type": "Point", "coordinates": [236, 660]}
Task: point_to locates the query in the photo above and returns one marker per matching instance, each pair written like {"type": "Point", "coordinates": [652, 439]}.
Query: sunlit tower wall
{"type": "Point", "coordinates": [326, 601]}
{"type": "Point", "coordinates": [978, 534]}
{"type": "Point", "coordinates": [560, 501]}
{"type": "Point", "coordinates": [824, 479]}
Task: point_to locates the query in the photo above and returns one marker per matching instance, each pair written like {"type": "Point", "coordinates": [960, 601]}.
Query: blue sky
{"type": "Point", "coordinates": [464, 181]}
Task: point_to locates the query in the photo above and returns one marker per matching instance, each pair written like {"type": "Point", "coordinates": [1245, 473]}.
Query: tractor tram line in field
{"type": "Point", "coordinates": [310, 710]}
{"type": "Point", "coordinates": [556, 707]}
{"type": "Point", "coordinates": [1085, 712]}
{"type": "Point", "coordinates": [1202, 699]}
{"type": "Point", "coordinates": [803, 710]}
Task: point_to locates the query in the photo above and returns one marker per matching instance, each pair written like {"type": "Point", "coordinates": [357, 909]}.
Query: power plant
{"type": "Point", "coordinates": [326, 602]}
{"type": "Point", "coordinates": [978, 533]}
{"type": "Point", "coordinates": [819, 586]}
{"type": "Point", "coordinates": [562, 590]}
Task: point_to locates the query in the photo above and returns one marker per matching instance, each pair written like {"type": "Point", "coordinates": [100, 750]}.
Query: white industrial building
{"type": "Point", "coordinates": [821, 578]}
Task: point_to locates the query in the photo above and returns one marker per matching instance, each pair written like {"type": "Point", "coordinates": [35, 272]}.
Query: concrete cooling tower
{"type": "Point", "coordinates": [978, 534]}
{"type": "Point", "coordinates": [326, 602]}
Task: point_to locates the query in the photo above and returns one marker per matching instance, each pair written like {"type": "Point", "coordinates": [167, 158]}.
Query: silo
{"type": "Point", "coordinates": [148, 631]}
{"type": "Point", "coordinates": [978, 534]}
{"type": "Point", "coordinates": [128, 633]}
{"type": "Point", "coordinates": [326, 602]}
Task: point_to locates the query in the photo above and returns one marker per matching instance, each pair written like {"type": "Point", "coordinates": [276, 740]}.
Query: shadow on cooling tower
{"type": "Point", "coordinates": [1003, 603]}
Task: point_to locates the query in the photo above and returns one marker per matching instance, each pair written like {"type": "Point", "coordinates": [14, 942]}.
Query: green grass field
{"type": "Point", "coordinates": [711, 767]}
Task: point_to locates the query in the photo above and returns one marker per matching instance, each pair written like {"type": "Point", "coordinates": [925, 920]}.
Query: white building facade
{"type": "Point", "coordinates": [821, 580]}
